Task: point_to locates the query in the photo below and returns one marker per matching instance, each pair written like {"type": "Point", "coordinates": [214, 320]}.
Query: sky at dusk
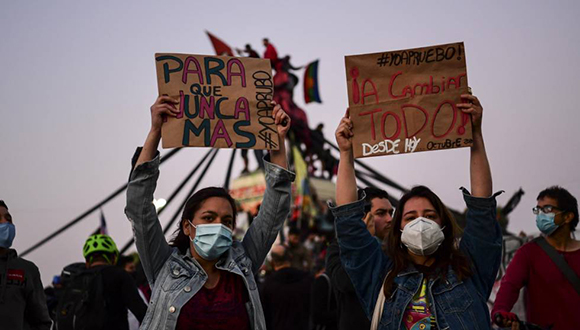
{"type": "Point", "coordinates": [77, 80]}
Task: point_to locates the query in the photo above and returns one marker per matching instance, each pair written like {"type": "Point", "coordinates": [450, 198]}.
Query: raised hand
{"type": "Point", "coordinates": [282, 121]}
{"type": "Point", "coordinates": [344, 133]}
{"type": "Point", "coordinates": [163, 106]}
{"type": "Point", "coordinates": [473, 108]}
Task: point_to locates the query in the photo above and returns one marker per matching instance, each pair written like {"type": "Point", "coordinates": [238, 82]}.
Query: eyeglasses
{"type": "Point", "coordinates": [544, 209]}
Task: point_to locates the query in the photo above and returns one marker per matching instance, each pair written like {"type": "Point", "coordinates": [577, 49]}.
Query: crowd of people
{"type": "Point", "coordinates": [380, 268]}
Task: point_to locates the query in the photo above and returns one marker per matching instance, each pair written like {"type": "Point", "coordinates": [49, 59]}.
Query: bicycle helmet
{"type": "Point", "coordinates": [103, 244]}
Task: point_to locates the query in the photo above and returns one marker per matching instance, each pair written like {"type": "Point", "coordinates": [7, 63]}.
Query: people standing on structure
{"type": "Point", "coordinates": [249, 51]}
{"type": "Point", "coordinates": [205, 279]}
{"type": "Point", "coordinates": [99, 296]}
{"type": "Point", "coordinates": [552, 300]}
{"type": "Point", "coordinates": [22, 299]}
{"type": "Point", "coordinates": [286, 293]}
{"type": "Point", "coordinates": [270, 52]}
{"type": "Point", "coordinates": [377, 217]}
{"type": "Point", "coordinates": [425, 279]}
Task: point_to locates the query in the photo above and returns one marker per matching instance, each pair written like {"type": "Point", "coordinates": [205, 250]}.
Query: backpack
{"type": "Point", "coordinates": [82, 305]}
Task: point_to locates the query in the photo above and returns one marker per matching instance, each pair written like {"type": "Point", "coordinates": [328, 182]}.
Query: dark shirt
{"type": "Point", "coordinates": [286, 299]}
{"type": "Point", "coordinates": [350, 312]}
{"type": "Point", "coordinates": [550, 298]}
{"type": "Point", "coordinates": [220, 308]}
{"type": "Point", "coordinates": [121, 293]}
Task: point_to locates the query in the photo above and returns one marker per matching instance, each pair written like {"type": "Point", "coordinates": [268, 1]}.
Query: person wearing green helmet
{"type": "Point", "coordinates": [108, 290]}
{"type": "Point", "coordinates": [100, 249]}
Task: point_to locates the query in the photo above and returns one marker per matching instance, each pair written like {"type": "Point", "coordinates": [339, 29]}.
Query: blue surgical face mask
{"type": "Point", "coordinates": [211, 240]}
{"type": "Point", "coordinates": [545, 223]}
{"type": "Point", "coordinates": [7, 234]}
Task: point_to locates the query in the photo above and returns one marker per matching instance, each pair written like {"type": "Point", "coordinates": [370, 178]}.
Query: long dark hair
{"type": "Point", "coordinates": [180, 239]}
{"type": "Point", "coordinates": [447, 253]}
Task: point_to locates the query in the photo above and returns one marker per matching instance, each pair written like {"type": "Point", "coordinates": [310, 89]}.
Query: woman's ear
{"type": "Point", "coordinates": [185, 226]}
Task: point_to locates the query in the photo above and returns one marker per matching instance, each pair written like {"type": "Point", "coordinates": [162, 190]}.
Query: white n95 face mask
{"type": "Point", "coordinates": [422, 236]}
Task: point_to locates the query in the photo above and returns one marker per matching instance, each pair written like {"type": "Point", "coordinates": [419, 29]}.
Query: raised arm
{"type": "Point", "coordinates": [276, 202]}
{"type": "Point", "coordinates": [480, 173]}
{"type": "Point", "coordinates": [149, 239]}
{"type": "Point", "coordinates": [345, 181]}
{"type": "Point", "coordinates": [360, 253]}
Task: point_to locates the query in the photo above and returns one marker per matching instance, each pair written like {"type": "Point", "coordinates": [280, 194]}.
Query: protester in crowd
{"type": "Point", "coordinates": [286, 293]}
{"type": "Point", "coordinates": [425, 279]}
{"type": "Point", "coordinates": [204, 279]}
{"type": "Point", "coordinates": [377, 217]}
{"type": "Point", "coordinates": [127, 263]}
{"type": "Point", "coordinates": [270, 53]}
{"type": "Point", "coordinates": [52, 294]}
{"type": "Point", "coordinates": [552, 301]}
{"type": "Point", "coordinates": [22, 299]}
{"type": "Point", "coordinates": [248, 50]}
{"type": "Point", "coordinates": [323, 306]}
{"type": "Point", "coordinates": [300, 257]}
{"type": "Point", "coordinates": [105, 290]}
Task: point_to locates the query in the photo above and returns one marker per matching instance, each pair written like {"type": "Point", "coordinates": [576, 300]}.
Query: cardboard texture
{"type": "Point", "coordinates": [224, 101]}
{"type": "Point", "coordinates": [405, 101]}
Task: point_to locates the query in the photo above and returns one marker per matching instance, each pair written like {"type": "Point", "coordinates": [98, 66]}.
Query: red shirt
{"type": "Point", "coordinates": [550, 298]}
{"type": "Point", "coordinates": [271, 53]}
{"type": "Point", "coordinates": [220, 308]}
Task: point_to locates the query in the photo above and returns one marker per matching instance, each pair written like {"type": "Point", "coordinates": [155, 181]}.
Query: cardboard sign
{"type": "Point", "coordinates": [405, 101]}
{"type": "Point", "coordinates": [224, 101]}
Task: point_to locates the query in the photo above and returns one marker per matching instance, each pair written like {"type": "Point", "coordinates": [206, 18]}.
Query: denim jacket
{"type": "Point", "coordinates": [456, 304]}
{"type": "Point", "coordinates": [175, 278]}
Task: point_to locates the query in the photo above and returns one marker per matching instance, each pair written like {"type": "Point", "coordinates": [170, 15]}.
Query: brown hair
{"type": "Point", "coordinates": [446, 255]}
{"type": "Point", "coordinates": [180, 239]}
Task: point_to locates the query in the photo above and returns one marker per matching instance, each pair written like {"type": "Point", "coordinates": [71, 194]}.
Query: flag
{"type": "Point", "coordinates": [221, 48]}
{"type": "Point", "coordinates": [303, 202]}
{"type": "Point", "coordinates": [513, 202]}
{"type": "Point", "coordinates": [103, 227]}
{"type": "Point", "coordinates": [311, 93]}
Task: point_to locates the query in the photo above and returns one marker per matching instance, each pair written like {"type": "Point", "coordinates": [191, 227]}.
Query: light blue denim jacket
{"type": "Point", "coordinates": [457, 304]}
{"type": "Point", "coordinates": [174, 277]}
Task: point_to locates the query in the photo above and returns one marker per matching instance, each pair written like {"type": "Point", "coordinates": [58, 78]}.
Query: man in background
{"type": "Point", "coordinates": [22, 299]}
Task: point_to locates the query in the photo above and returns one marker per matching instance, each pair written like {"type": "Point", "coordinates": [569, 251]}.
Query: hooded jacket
{"type": "Point", "coordinates": [22, 300]}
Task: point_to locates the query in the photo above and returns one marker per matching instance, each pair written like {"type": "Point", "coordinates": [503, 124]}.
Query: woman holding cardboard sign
{"type": "Point", "coordinates": [204, 279]}
{"type": "Point", "coordinates": [424, 280]}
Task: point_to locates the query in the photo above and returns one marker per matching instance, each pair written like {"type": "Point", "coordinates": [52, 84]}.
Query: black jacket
{"type": "Point", "coordinates": [350, 312]}
{"type": "Point", "coordinates": [22, 300]}
{"type": "Point", "coordinates": [285, 298]}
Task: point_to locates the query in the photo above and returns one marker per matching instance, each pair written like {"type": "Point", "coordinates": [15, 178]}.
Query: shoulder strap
{"type": "Point", "coordinates": [560, 262]}
{"type": "Point", "coordinates": [329, 290]}
{"type": "Point", "coordinates": [379, 305]}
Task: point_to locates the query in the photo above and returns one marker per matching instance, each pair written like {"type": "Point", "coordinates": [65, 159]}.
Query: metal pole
{"type": "Point", "coordinates": [89, 211]}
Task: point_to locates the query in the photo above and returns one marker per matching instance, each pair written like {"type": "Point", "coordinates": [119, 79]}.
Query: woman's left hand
{"type": "Point", "coordinates": [282, 121]}
{"type": "Point", "coordinates": [474, 108]}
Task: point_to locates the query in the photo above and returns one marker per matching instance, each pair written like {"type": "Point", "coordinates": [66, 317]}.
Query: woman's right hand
{"type": "Point", "coordinates": [163, 106]}
{"type": "Point", "coordinates": [344, 133]}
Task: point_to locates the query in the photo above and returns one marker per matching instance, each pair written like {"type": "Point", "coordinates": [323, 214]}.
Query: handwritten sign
{"type": "Point", "coordinates": [224, 102]}
{"type": "Point", "coordinates": [405, 101]}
